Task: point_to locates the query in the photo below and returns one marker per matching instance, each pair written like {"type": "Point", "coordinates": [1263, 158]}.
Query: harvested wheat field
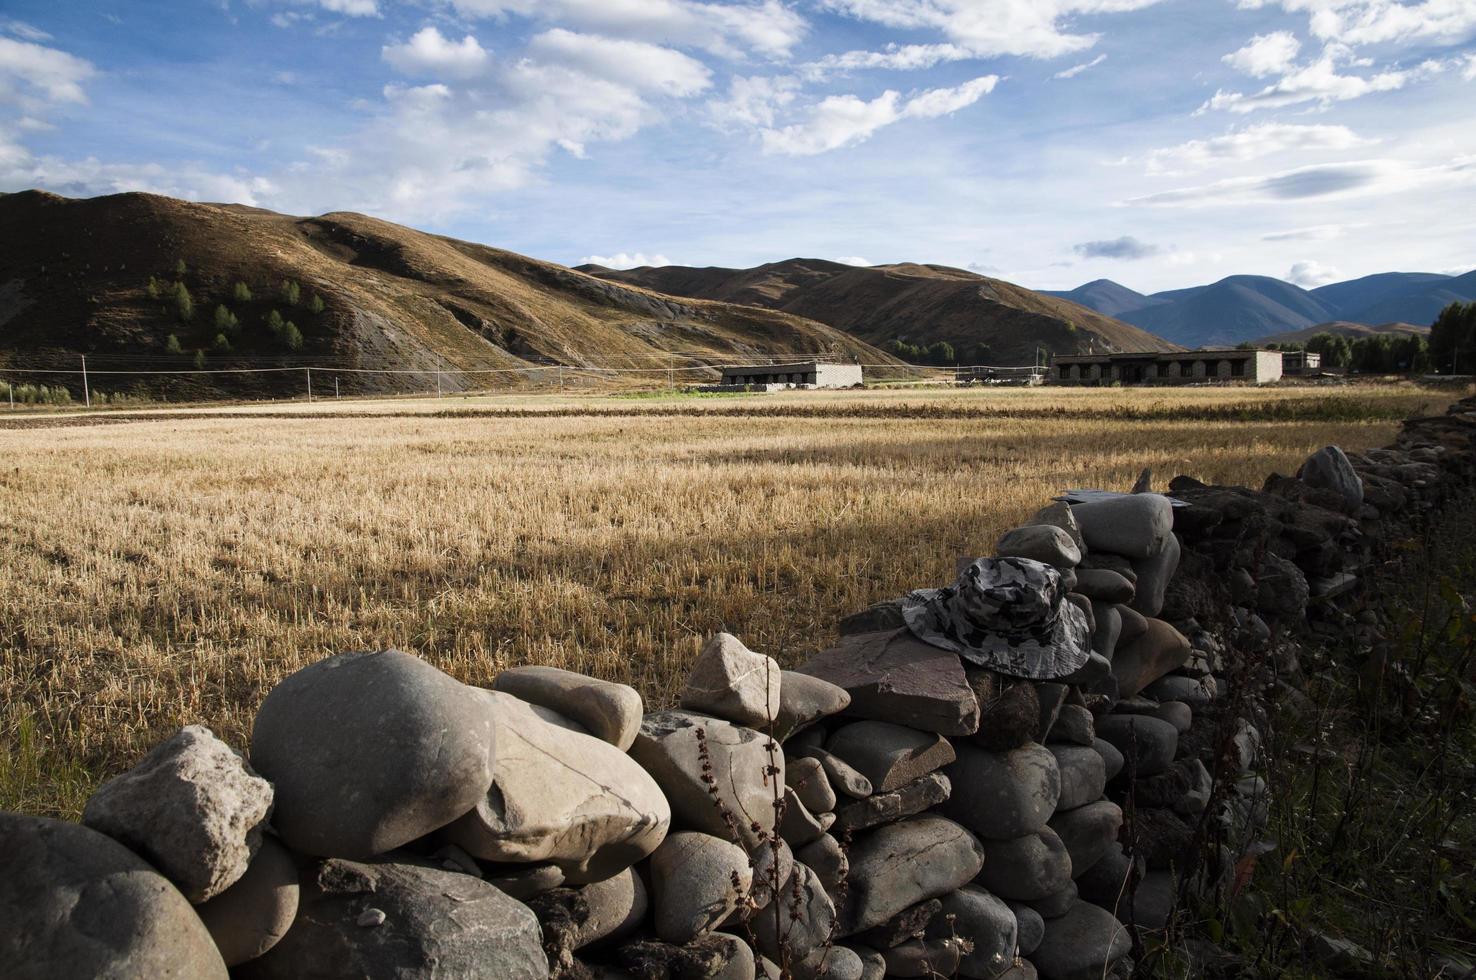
{"type": "Point", "coordinates": [162, 569]}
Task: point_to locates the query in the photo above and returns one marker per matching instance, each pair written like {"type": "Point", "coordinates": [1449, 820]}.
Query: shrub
{"type": "Point", "coordinates": [316, 304]}
{"type": "Point", "coordinates": [291, 292]}
{"type": "Point", "coordinates": [221, 344]}
{"type": "Point", "coordinates": [154, 289]}
{"type": "Point", "coordinates": [199, 360]}
{"type": "Point", "coordinates": [242, 293]}
{"type": "Point", "coordinates": [171, 346]}
{"type": "Point", "coordinates": [180, 269]}
{"type": "Point", "coordinates": [291, 336]}
{"type": "Point", "coordinates": [183, 305]}
{"type": "Point", "coordinates": [225, 320]}
{"type": "Point", "coordinates": [275, 323]}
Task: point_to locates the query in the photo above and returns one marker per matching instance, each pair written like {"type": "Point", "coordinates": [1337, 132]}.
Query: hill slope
{"type": "Point", "coordinates": [74, 279]}
{"type": "Point", "coordinates": [1107, 297]}
{"type": "Point", "coordinates": [986, 320]}
{"type": "Point", "coordinates": [1342, 328]}
{"type": "Point", "coordinates": [1234, 309]}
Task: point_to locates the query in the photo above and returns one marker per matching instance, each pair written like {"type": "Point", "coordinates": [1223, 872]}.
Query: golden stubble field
{"type": "Point", "coordinates": [168, 570]}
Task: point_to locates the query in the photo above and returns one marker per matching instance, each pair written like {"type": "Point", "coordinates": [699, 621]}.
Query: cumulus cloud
{"type": "Point", "coordinates": [1075, 70]}
{"type": "Point", "coordinates": [754, 101]}
{"type": "Point", "coordinates": [1251, 143]}
{"type": "Point", "coordinates": [1359, 22]}
{"type": "Point", "coordinates": [33, 76]}
{"type": "Point", "coordinates": [1309, 274]}
{"type": "Point", "coordinates": [428, 52]}
{"type": "Point", "coordinates": [626, 260]}
{"type": "Point", "coordinates": [844, 120]}
{"type": "Point", "coordinates": [1321, 82]}
{"type": "Point", "coordinates": [1126, 248]}
{"type": "Point", "coordinates": [1266, 54]}
{"type": "Point", "coordinates": [903, 57]}
{"type": "Point", "coordinates": [642, 66]}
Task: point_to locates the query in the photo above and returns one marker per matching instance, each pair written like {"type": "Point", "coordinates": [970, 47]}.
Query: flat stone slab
{"type": "Point", "coordinates": [921, 794]}
{"type": "Point", "coordinates": [893, 676]}
{"type": "Point", "coordinates": [888, 755]}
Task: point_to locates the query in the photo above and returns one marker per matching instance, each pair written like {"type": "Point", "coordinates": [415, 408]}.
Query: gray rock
{"type": "Point", "coordinates": [1042, 542]}
{"type": "Point", "coordinates": [368, 751]}
{"type": "Point", "coordinates": [938, 957]}
{"type": "Point", "coordinates": [889, 756]}
{"type": "Point", "coordinates": [437, 924]}
{"type": "Point", "coordinates": [1056, 904]}
{"type": "Point", "coordinates": [670, 749]}
{"type": "Point", "coordinates": [1003, 795]}
{"type": "Point", "coordinates": [252, 915]}
{"type": "Point", "coordinates": [1281, 588]}
{"type": "Point", "coordinates": [1194, 692]}
{"type": "Point", "coordinates": [1083, 775]}
{"type": "Point", "coordinates": [1154, 575]}
{"type": "Point", "coordinates": [192, 808]}
{"type": "Point", "coordinates": [798, 826]}
{"type": "Point", "coordinates": [772, 863]}
{"type": "Point", "coordinates": [561, 797]}
{"type": "Point", "coordinates": [1074, 726]}
{"type": "Point", "coordinates": [1112, 759]}
{"type": "Point", "coordinates": [910, 923]}
{"type": "Point", "coordinates": [986, 922]}
{"type": "Point", "coordinates": [1096, 670]}
{"type": "Point", "coordinates": [1088, 832]}
{"type": "Point", "coordinates": [875, 618]}
{"type": "Point", "coordinates": [608, 711]}
{"type": "Point", "coordinates": [844, 778]}
{"type": "Point", "coordinates": [1134, 624]}
{"type": "Point", "coordinates": [1109, 628]}
{"type": "Point", "coordinates": [805, 896]}
{"type": "Point", "coordinates": [828, 860]}
{"type": "Point", "coordinates": [1196, 798]}
{"type": "Point", "coordinates": [718, 956]}
{"type": "Point", "coordinates": [1081, 945]}
{"type": "Point", "coordinates": [1010, 711]}
{"type": "Point", "coordinates": [901, 864]}
{"type": "Point", "coordinates": [1058, 514]}
{"type": "Point", "coordinates": [1133, 526]}
{"type": "Point", "coordinates": [893, 676]}
{"type": "Point", "coordinates": [1104, 585]}
{"type": "Point", "coordinates": [808, 780]}
{"type": "Point", "coordinates": [730, 681]}
{"type": "Point", "coordinates": [1147, 657]}
{"type": "Point", "coordinates": [1330, 469]}
{"type": "Point", "coordinates": [873, 966]}
{"type": "Point", "coordinates": [1109, 880]}
{"type": "Point", "coordinates": [523, 882]}
{"type": "Point", "coordinates": [692, 884]}
{"type": "Point", "coordinates": [617, 907]}
{"type": "Point", "coordinates": [1027, 868]}
{"type": "Point", "coordinates": [1147, 744]}
{"type": "Point", "coordinates": [804, 700]}
{"type": "Point", "coordinates": [1176, 713]}
{"type": "Point", "coordinates": [844, 964]}
{"type": "Point", "coordinates": [1031, 927]}
{"type": "Point", "coordinates": [1152, 902]}
{"type": "Point", "coordinates": [79, 904]}
{"type": "Point", "coordinates": [1051, 696]}
{"type": "Point", "coordinates": [921, 794]}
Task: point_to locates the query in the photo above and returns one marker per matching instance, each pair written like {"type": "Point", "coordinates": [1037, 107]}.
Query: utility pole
{"type": "Point", "coordinates": [438, 382]}
{"type": "Point", "coordinates": [310, 382]}
{"type": "Point", "coordinates": [86, 392]}
{"type": "Point", "coordinates": [561, 377]}
{"type": "Point", "coordinates": [335, 387]}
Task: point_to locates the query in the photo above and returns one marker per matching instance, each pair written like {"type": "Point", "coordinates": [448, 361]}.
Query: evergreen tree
{"type": "Point", "coordinates": [275, 323]}
{"type": "Point", "coordinates": [1453, 339]}
{"type": "Point", "coordinates": [199, 360]}
{"type": "Point", "coordinates": [183, 305]}
{"type": "Point", "coordinates": [225, 320]}
{"type": "Point", "coordinates": [155, 290]}
{"type": "Point", "coordinates": [180, 269]}
{"type": "Point", "coordinates": [291, 292]}
{"type": "Point", "coordinates": [171, 346]}
{"type": "Point", "coordinates": [291, 336]}
{"type": "Point", "coordinates": [242, 293]}
{"type": "Point", "coordinates": [221, 344]}
{"type": "Point", "coordinates": [316, 304]}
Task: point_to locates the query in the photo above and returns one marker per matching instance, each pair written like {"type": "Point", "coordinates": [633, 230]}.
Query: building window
{"type": "Point", "coordinates": [1237, 368]}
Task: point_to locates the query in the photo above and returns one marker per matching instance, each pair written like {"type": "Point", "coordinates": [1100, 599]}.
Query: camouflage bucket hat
{"type": "Point", "coordinates": [1007, 614]}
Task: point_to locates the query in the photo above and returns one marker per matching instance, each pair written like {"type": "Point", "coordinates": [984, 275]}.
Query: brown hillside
{"type": "Point", "coordinates": [1342, 328]}
{"type": "Point", "coordinates": [982, 318]}
{"type": "Point", "coordinates": [74, 276]}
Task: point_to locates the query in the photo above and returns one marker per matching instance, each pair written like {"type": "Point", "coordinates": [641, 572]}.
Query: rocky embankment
{"type": "Point", "coordinates": [1021, 774]}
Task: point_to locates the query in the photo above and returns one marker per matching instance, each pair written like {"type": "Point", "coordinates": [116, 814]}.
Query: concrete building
{"type": "Point", "coordinates": [800, 374]}
{"type": "Point", "coordinates": [1183, 367]}
{"type": "Point", "coordinates": [1301, 362]}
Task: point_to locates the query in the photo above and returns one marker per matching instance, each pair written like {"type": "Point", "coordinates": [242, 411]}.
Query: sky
{"type": "Point", "coordinates": [1158, 143]}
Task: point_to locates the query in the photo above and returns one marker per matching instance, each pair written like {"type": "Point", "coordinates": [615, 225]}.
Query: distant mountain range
{"type": "Point", "coordinates": [1242, 308]}
{"type": "Point", "coordinates": [985, 320]}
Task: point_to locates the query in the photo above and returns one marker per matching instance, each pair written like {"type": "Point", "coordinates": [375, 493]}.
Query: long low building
{"type": "Point", "coordinates": [808, 374]}
{"type": "Point", "coordinates": [1179, 367]}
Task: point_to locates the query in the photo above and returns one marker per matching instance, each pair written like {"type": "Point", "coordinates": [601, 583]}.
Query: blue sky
{"type": "Point", "coordinates": [1048, 142]}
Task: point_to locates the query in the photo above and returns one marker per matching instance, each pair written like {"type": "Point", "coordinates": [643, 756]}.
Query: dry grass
{"type": "Point", "coordinates": [170, 570]}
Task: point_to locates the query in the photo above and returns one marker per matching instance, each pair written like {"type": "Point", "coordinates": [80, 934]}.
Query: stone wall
{"type": "Point", "coordinates": [1019, 775]}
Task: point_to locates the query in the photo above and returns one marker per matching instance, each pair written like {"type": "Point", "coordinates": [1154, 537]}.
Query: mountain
{"type": "Point", "coordinates": [986, 320]}
{"type": "Point", "coordinates": [75, 279]}
{"type": "Point", "coordinates": [1243, 308]}
{"type": "Point", "coordinates": [1353, 331]}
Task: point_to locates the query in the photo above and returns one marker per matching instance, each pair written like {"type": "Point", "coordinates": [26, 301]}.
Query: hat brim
{"type": "Point", "coordinates": [1052, 650]}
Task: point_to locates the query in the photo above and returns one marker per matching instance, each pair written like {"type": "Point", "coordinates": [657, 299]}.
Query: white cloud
{"type": "Point", "coordinates": [642, 66]}
{"type": "Point", "coordinates": [428, 52]}
{"type": "Point", "coordinates": [1312, 233]}
{"type": "Point", "coordinates": [1266, 54]}
{"type": "Point", "coordinates": [33, 76]}
{"type": "Point", "coordinates": [90, 176]}
{"type": "Point", "coordinates": [1322, 83]}
{"type": "Point", "coordinates": [1075, 70]}
{"type": "Point", "coordinates": [767, 27]}
{"type": "Point", "coordinates": [1309, 274]}
{"type": "Point", "coordinates": [1251, 143]}
{"type": "Point", "coordinates": [1469, 71]}
{"type": "Point", "coordinates": [989, 28]}
{"type": "Point", "coordinates": [853, 260]}
{"type": "Point", "coordinates": [843, 120]}
{"type": "Point", "coordinates": [24, 31]}
{"type": "Point", "coordinates": [754, 102]}
{"type": "Point", "coordinates": [1357, 22]}
{"type": "Point", "coordinates": [1321, 181]}
{"type": "Point", "coordinates": [351, 8]}
{"type": "Point", "coordinates": [626, 260]}
{"type": "Point", "coordinates": [904, 57]}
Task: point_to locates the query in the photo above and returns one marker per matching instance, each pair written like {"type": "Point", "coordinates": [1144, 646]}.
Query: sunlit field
{"type": "Point", "coordinates": [157, 570]}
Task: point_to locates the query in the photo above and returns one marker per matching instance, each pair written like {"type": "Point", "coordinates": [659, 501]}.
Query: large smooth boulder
{"type": "Point", "coordinates": [1144, 659]}
{"type": "Point", "coordinates": [617, 906]}
{"type": "Point", "coordinates": [901, 864]}
{"type": "Point", "coordinates": [987, 923]}
{"type": "Point", "coordinates": [1154, 575]}
{"type": "Point", "coordinates": [1003, 795]}
{"type": "Point", "coordinates": [804, 700]}
{"type": "Point", "coordinates": [561, 797]}
{"type": "Point", "coordinates": [252, 916]}
{"type": "Point", "coordinates": [1027, 868]}
{"type": "Point", "coordinates": [804, 896]}
{"type": "Point", "coordinates": [79, 904]}
{"type": "Point", "coordinates": [1330, 469]}
{"type": "Point", "coordinates": [1104, 585]}
{"type": "Point", "coordinates": [1058, 514]}
{"type": "Point", "coordinates": [1088, 832]}
{"type": "Point", "coordinates": [1081, 945]}
{"type": "Point", "coordinates": [1083, 774]}
{"type": "Point", "coordinates": [828, 860]}
{"type": "Point", "coordinates": [697, 881]}
{"type": "Point", "coordinates": [889, 756]}
{"type": "Point", "coordinates": [192, 808]}
{"type": "Point", "coordinates": [389, 918]}
{"type": "Point", "coordinates": [1133, 525]}
{"type": "Point", "coordinates": [368, 751]}
{"type": "Point", "coordinates": [675, 746]}
{"type": "Point", "coordinates": [730, 681]}
{"type": "Point", "coordinates": [1147, 744]}
{"type": "Point", "coordinates": [806, 776]}
{"type": "Point", "coordinates": [893, 676]}
{"type": "Point", "coordinates": [606, 710]}
{"type": "Point", "coordinates": [1044, 543]}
